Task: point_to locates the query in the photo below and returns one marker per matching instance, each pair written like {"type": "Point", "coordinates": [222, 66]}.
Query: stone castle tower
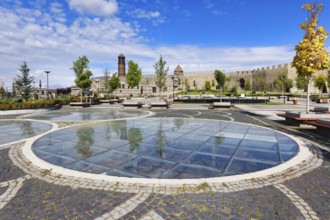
{"type": "Point", "coordinates": [121, 66]}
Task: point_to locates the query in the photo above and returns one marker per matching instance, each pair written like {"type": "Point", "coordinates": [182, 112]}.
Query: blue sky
{"type": "Point", "coordinates": [199, 35]}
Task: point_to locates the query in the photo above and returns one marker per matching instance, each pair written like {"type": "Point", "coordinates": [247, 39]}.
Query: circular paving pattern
{"type": "Point", "coordinates": [13, 130]}
{"type": "Point", "coordinates": [83, 115]}
{"type": "Point", "coordinates": [166, 148]}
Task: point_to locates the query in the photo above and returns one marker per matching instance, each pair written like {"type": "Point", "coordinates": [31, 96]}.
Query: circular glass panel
{"type": "Point", "coordinates": [17, 130]}
{"type": "Point", "coordinates": [90, 114]}
{"type": "Point", "coordinates": [166, 148]}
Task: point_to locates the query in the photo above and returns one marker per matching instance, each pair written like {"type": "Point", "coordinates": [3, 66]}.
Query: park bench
{"type": "Point", "coordinates": [322, 100]}
{"type": "Point", "coordinates": [220, 105]}
{"type": "Point", "coordinates": [299, 119]}
{"type": "Point", "coordinates": [321, 110]}
{"type": "Point", "coordinates": [323, 126]}
{"type": "Point", "coordinates": [159, 105]}
{"type": "Point", "coordinates": [83, 104]}
{"type": "Point", "coordinates": [132, 104]}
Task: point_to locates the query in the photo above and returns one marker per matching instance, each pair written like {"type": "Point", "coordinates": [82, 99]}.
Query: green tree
{"type": "Point", "coordinates": [161, 73]}
{"type": "Point", "coordinates": [187, 85]}
{"type": "Point", "coordinates": [213, 83]}
{"type": "Point", "coordinates": [2, 90]}
{"type": "Point", "coordinates": [24, 81]}
{"type": "Point", "coordinates": [207, 85]}
{"type": "Point", "coordinates": [283, 83]}
{"type": "Point", "coordinates": [320, 82]}
{"type": "Point", "coordinates": [134, 74]}
{"type": "Point", "coordinates": [114, 83]}
{"type": "Point", "coordinates": [311, 56]}
{"type": "Point", "coordinates": [302, 82]}
{"type": "Point", "coordinates": [106, 74]}
{"type": "Point", "coordinates": [83, 74]}
{"type": "Point", "coordinates": [221, 78]}
{"type": "Point", "coordinates": [247, 85]}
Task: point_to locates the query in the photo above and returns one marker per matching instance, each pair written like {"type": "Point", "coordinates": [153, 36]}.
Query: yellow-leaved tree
{"type": "Point", "coordinates": [311, 56]}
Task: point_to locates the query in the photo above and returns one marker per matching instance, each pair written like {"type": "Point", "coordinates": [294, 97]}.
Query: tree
{"type": "Point", "coordinates": [213, 83]}
{"type": "Point", "coordinates": [242, 83]}
{"type": "Point", "coordinates": [207, 85]}
{"type": "Point", "coordinates": [283, 83]}
{"type": "Point", "coordinates": [329, 78]}
{"type": "Point", "coordinates": [302, 82]}
{"type": "Point", "coordinates": [247, 86]}
{"type": "Point", "coordinates": [187, 85]}
{"type": "Point", "coordinates": [106, 80]}
{"type": "Point", "coordinates": [24, 81]}
{"type": "Point", "coordinates": [134, 74]}
{"type": "Point", "coordinates": [311, 56]}
{"type": "Point", "coordinates": [194, 84]}
{"type": "Point", "coordinates": [161, 73]}
{"type": "Point", "coordinates": [2, 90]}
{"type": "Point", "coordinates": [320, 82]}
{"type": "Point", "coordinates": [221, 78]}
{"type": "Point", "coordinates": [114, 82]}
{"type": "Point", "coordinates": [83, 74]}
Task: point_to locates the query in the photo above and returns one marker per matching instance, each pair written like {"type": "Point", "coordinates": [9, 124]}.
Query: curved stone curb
{"type": "Point", "coordinates": [201, 186]}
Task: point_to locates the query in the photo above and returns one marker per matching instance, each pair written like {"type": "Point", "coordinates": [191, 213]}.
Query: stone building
{"type": "Point", "coordinates": [261, 79]}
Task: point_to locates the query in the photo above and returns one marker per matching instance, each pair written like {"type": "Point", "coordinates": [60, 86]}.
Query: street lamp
{"type": "Point", "coordinates": [47, 72]}
{"type": "Point", "coordinates": [172, 77]}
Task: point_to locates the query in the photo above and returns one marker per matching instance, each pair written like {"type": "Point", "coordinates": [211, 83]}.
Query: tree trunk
{"type": "Point", "coordinates": [81, 93]}
{"type": "Point", "coordinates": [308, 94]}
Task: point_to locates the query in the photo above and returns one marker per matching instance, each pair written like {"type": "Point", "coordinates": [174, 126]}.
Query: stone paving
{"type": "Point", "coordinates": [301, 192]}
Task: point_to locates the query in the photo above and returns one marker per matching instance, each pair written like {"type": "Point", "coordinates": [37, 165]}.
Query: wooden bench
{"type": "Point", "coordinates": [322, 100]}
{"type": "Point", "coordinates": [323, 126]}
{"type": "Point", "coordinates": [220, 105]}
{"type": "Point", "coordinates": [132, 104]}
{"type": "Point", "coordinates": [159, 105]}
{"type": "Point", "coordinates": [105, 101]}
{"type": "Point", "coordinates": [321, 110]}
{"type": "Point", "coordinates": [83, 104]}
{"type": "Point", "coordinates": [296, 119]}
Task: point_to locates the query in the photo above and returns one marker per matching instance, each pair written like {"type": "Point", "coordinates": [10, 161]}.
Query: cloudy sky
{"type": "Point", "coordinates": [197, 34]}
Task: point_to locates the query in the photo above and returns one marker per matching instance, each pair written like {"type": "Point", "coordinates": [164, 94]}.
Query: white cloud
{"type": "Point", "coordinates": [139, 13]}
{"type": "Point", "coordinates": [46, 44]}
{"type": "Point", "coordinates": [103, 8]}
{"type": "Point", "coordinates": [154, 16]}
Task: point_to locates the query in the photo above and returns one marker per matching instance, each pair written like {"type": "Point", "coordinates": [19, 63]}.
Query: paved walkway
{"type": "Point", "coordinates": [301, 192]}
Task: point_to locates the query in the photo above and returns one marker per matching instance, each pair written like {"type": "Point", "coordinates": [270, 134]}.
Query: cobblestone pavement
{"type": "Point", "coordinates": [302, 192]}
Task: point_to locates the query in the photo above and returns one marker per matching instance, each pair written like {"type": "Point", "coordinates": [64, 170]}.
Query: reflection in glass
{"type": "Point", "coordinates": [134, 138]}
{"type": "Point", "coordinates": [150, 148]}
{"type": "Point", "coordinates": [27, 129]}
{"type": "Point", "coordinates": [160, 139]}
{"type": "Point", "coordinates": [85, 141]}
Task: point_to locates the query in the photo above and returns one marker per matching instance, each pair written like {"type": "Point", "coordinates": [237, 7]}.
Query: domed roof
{"type": "Point", "coordinates": [121, 55]}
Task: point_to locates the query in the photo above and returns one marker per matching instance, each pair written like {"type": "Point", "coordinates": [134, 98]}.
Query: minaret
{"type": "Point", "coordinates": [121, 66]}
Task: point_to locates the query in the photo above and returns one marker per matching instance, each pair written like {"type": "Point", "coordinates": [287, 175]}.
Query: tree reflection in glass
{"type": "Point", "coordinates": [86, 140]}
{"type": "Point", "coordinates": [85, 116]}
{"type": "Point", "coordinates": [134, 138]}
{"type": "Point", "coordinates": [218, 140]}
{"type": "Point", "coordinates": [160, 139]}
{"type": "Point", "coordinates": [27, 129]}
{"type": "Point", "coordinates": [178, 122]}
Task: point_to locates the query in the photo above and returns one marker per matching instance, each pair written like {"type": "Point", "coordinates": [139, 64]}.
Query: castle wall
{"type": "Point", "coordinates": [264, 75]}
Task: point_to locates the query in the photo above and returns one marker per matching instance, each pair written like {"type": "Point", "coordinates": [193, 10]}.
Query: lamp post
{"type": "Point", "coordinates": [47, 72]}
{"type": "Point", "coordinates": [172, 77]}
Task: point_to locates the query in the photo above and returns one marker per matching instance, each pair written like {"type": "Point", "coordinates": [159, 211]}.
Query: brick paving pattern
{"type": "Point", "coordinates": [26, 193]}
